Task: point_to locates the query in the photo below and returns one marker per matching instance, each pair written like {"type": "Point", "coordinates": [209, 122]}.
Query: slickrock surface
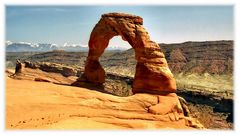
{"type": "Point", "coordinates": [152, 72]}
{"type": "Point", "coordinates": [43, 105]}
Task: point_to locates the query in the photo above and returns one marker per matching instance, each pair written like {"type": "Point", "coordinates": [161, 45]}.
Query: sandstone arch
{"type": "Point", "coordinates": [152, 72]}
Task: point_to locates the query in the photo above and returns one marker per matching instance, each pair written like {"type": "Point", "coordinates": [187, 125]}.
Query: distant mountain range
{"type": "Point", "coordinates": [46, 47]}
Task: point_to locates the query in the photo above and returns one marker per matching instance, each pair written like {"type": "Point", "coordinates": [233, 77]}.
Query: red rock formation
{"type": "Point", "coordinates": [19, 67]}
{"type": "Point", "coordinates": [152, 72]}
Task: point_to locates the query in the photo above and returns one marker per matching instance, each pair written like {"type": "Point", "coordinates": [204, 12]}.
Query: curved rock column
{"type": "Point", "coordinates": [152, 72]}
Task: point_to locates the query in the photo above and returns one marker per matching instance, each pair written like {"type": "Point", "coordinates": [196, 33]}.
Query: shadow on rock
{"type": "Point", "coordinates": [91, 86]}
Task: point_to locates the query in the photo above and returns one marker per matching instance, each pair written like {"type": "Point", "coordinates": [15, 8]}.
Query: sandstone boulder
{"type": "Point", "coordinates": [19, 67]}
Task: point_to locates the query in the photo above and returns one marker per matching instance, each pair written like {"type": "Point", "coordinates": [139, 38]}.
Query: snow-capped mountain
{"type": "Point", "coordinates": [73, 47]}
{"type": "Point", "coordinates": [29, 47]}
{"type": "Point", "coordinates": [45, 47]}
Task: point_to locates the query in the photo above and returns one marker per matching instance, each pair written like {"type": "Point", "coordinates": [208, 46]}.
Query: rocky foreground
{"type": "Point", "coordinates": [35, 100]}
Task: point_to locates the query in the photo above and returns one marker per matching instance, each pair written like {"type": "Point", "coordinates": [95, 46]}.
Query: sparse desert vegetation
{"type": "Point", "coordinates": [206, 82]}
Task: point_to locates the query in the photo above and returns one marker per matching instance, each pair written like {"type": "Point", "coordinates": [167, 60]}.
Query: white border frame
{"type": "Point", "coordinates": [118, 2]}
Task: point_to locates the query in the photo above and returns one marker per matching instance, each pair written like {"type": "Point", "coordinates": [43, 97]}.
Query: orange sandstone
{"type": "Point", "coordinates": [152, 72]}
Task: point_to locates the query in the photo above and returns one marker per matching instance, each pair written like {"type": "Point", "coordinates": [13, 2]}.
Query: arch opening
{"type": "Point", "coordinates": [119, 67]}
{"type": "Point", "coordinates": [117, 43]}
{"type": "Point", "coordinates": [119, 58]}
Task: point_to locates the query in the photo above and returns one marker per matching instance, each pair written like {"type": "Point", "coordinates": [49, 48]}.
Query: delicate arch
{"type": "Point", "coordinates": [152, 72]}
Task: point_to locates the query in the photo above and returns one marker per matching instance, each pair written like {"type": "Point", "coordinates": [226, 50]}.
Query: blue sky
{"type": "Point", "coordinates": [73, 24]}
